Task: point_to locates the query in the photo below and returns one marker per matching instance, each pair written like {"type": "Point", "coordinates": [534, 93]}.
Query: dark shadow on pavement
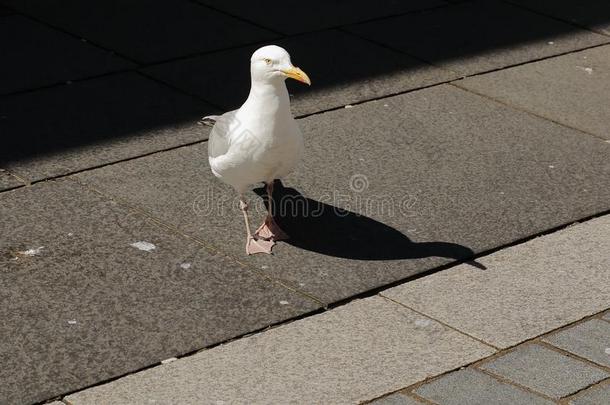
{"type": "Point", "coordinates": [329, 230]}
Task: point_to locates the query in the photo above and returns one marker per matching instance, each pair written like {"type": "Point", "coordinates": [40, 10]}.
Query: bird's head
{"type": "Point", "coordinates": [271, 63]}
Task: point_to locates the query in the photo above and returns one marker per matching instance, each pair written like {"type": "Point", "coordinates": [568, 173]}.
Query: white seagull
{"type": "Point", "coordinates": [260, 141]}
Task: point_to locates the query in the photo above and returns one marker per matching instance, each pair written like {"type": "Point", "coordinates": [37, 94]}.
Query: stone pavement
{"type": "Point", "coordinates": [396, 339]}
{"type": "Point", "coordinates": [437, 132]}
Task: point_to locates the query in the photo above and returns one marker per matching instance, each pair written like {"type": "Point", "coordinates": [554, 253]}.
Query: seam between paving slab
{"type": "Point", "coordinates": [456, 84]}
{"type": "Point", "coordinates": [440, 322]}
{"type": "Point", "coordinates": [542, 13]}
{"type": "Point", "coordinates": [409, 390]}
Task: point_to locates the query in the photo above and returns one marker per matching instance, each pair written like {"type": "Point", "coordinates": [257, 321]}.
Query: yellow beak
{"type": "Point", "coordinates": [297, 74]}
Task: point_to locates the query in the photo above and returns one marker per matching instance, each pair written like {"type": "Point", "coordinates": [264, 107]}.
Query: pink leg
{"type": "Point", "coordinates": [253, 245]}
{"type": "Point", "coordinates": [270, 230]}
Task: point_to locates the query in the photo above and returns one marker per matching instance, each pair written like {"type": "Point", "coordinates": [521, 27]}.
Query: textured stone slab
{"type": "Point", "coordinates": [573, 89]}
{"type": "Point", "coordinates": [435, 175]}
{"type": "Point", "coordinates": [91, 291]}
{"type": "Point", "coordinates": [607, 316]}
{"type": "Point", "coordinates": [7, 181]}
{"type": "Point", "coordinates": [317, 14]}
{"type": "Point", "coordinates": [478, 36]}
{"type": "Point", "coordinates": [339, 73]}
{"type": "Point", "coordinates": [146, 31]}
{"type": "Point", "coordinates": [590, 340]}
{"type": "Point", "coordinates": [527, 290]}
{"type": "Point", "coordinates": [545, 370]}
{"type": "Point", "coordinates": [592, 14]}
{"type": "Point", "coordinates": [593, 396]}
{"type": "Point", "coordinates": [397, 399]}
{"type": "Point", "coordinates": [56, 131]}
{"type": "Point", "coordinates": [347, 355]}
{"type": "Point", "coordinates": [34, 55]}
{"type": "Point", "coordinates": [472, 387]}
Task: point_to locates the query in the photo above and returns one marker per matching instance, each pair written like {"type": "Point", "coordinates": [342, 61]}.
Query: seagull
{"type": "Point", "coordinates": [260, 141]}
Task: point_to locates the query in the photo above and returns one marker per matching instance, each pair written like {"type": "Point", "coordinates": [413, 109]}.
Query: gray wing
{"type": "Point", "coordinates": [218, 143]}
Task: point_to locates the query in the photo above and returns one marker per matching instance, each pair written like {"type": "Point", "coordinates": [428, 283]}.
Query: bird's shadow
{"type": "Point", "coordinates": [329, 230]}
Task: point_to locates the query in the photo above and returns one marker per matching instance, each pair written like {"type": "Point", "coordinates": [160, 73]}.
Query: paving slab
{"type": "Point", "coordinates": [69, 128]}
{"type": "Point", "coordinates": [573, 89]}
{"type": "Point", "coordinates": [592, 14]}
{"type": "Point", "coordinates": [472, 387]}
{"type": "Point", "coordinates": [91, 291]}
{"type": "Point", "coordinates": [7, 181]}
{"type": "Point", "coordinates": [347, 355]}
{"type": "Point", "coordinates": [478, 36]}
{"type": "Point", "coordinates": [422, 179]}
{"type": "Point", "coordinates": [593, 396]}
{"type": "Point", "coordinates": [397, 399]}
{"type": "Point", "coordinates": [590, 340]}
{"type": "Point", "coordinates": [607, 316]}
{"type": "Point", "coordinates": [545, 370]}
{"type": "Point", "coordinates": [143, 30]}
{"type": "Point", "coordinates": [339, 73]}
{"type": "Point", "coordinates": [527, 290]}
{"type": "Point", "coordinates": [35, 55]}
{"type": "Point", "coordinates": [318, 14]}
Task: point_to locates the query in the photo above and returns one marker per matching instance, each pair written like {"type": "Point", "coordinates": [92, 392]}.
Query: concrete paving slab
{"type": "Point", "coordinates": [592, 14]}
{"type": "Point", "coordinates": [573, 89]}
{"type": "Point", "coordinates": [527, 290]}
{"type": "Point", "coordinates": [597, 395]}
{"type": "Point", "coordinates": [545, 370]}
{"type": "Point", "coordinates": [397, 399]}
{"type": "Point", "coordinates": [34, 55]}
{"type": "Point", "coordinates": [7, 181]}
{"type": "Point", "coordinates": [590, 340]}
{"type": "Point", "coordinates": [318, 14]}
{"type": "Point", "coordinates": [339, 73]}
{"type": "Point", "coordinates": [350, 354]}
{"type": "Point", "coordinates": [69, 128]}
{"type": "Point", "coordinates": [91, 291]}
{"type": "Point", "coordinates": [146, 31]}
{"type": "Point", "coordinates": [478, 36]}
{"type": "Point", "coordinates": [424, 178]}
{"type": "Point", "coordinates": [472, 387]}
{"type": "Point", "coordinates": [607, 316]}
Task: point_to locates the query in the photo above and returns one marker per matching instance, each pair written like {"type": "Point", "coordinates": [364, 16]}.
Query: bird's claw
{"type": "Point", "coordinates": [270, 230]}
{"type": "Point", "coordinates": [254, 246]}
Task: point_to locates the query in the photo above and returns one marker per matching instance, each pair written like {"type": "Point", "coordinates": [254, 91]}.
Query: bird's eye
{"type": "Point", "coordinates": [267, 61]}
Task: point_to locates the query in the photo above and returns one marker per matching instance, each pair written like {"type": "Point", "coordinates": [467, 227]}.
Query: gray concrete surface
{"type": "Point", "coordinates": [545, 370]}
{"type": "Point", "coordinates": [445, 173]}
{"type": "Point", "coordinates": [64, 129]}
{"type": "Point", "coordinates": [352, 353]}
{"type": "Point", "coordinates": [593, 396]}
{"type": "Point", "coordinates": [472, 387]}
{"type": "Point", "coordinates": [146, 31]}
{"type": "Point", "coordinates": [318, 14]}
{"type": "Point", "coordinates": [397, 399]}
{"type": "Point", "coordinates": [573, 89]}
{"type": "Point", "coordinates": [478, 36]}
{"type": "Point", "coordinates": [351, 71]}
{"type": "Point", "coordinates": [7, 181]}
{"type": "Point", "coordinates": [91, 291]}
{"type": "Point", "coordinates": [590, 340]}
{"type": "Point", "coordinates": [587, 13]}
{"type": "Point", "coordinates": [27, 45]}
{"type": "Point", "coordinates": [526, 290]}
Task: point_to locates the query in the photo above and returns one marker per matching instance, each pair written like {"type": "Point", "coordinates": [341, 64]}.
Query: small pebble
{"type": "Point", "coordinates": [283, 302]}
{"type": "Point", "coordinates": [72, 322]}
{"type": "Point", "coordinates": [166, 361]}
{"type": "Point", "coordinates": [185, 266]}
